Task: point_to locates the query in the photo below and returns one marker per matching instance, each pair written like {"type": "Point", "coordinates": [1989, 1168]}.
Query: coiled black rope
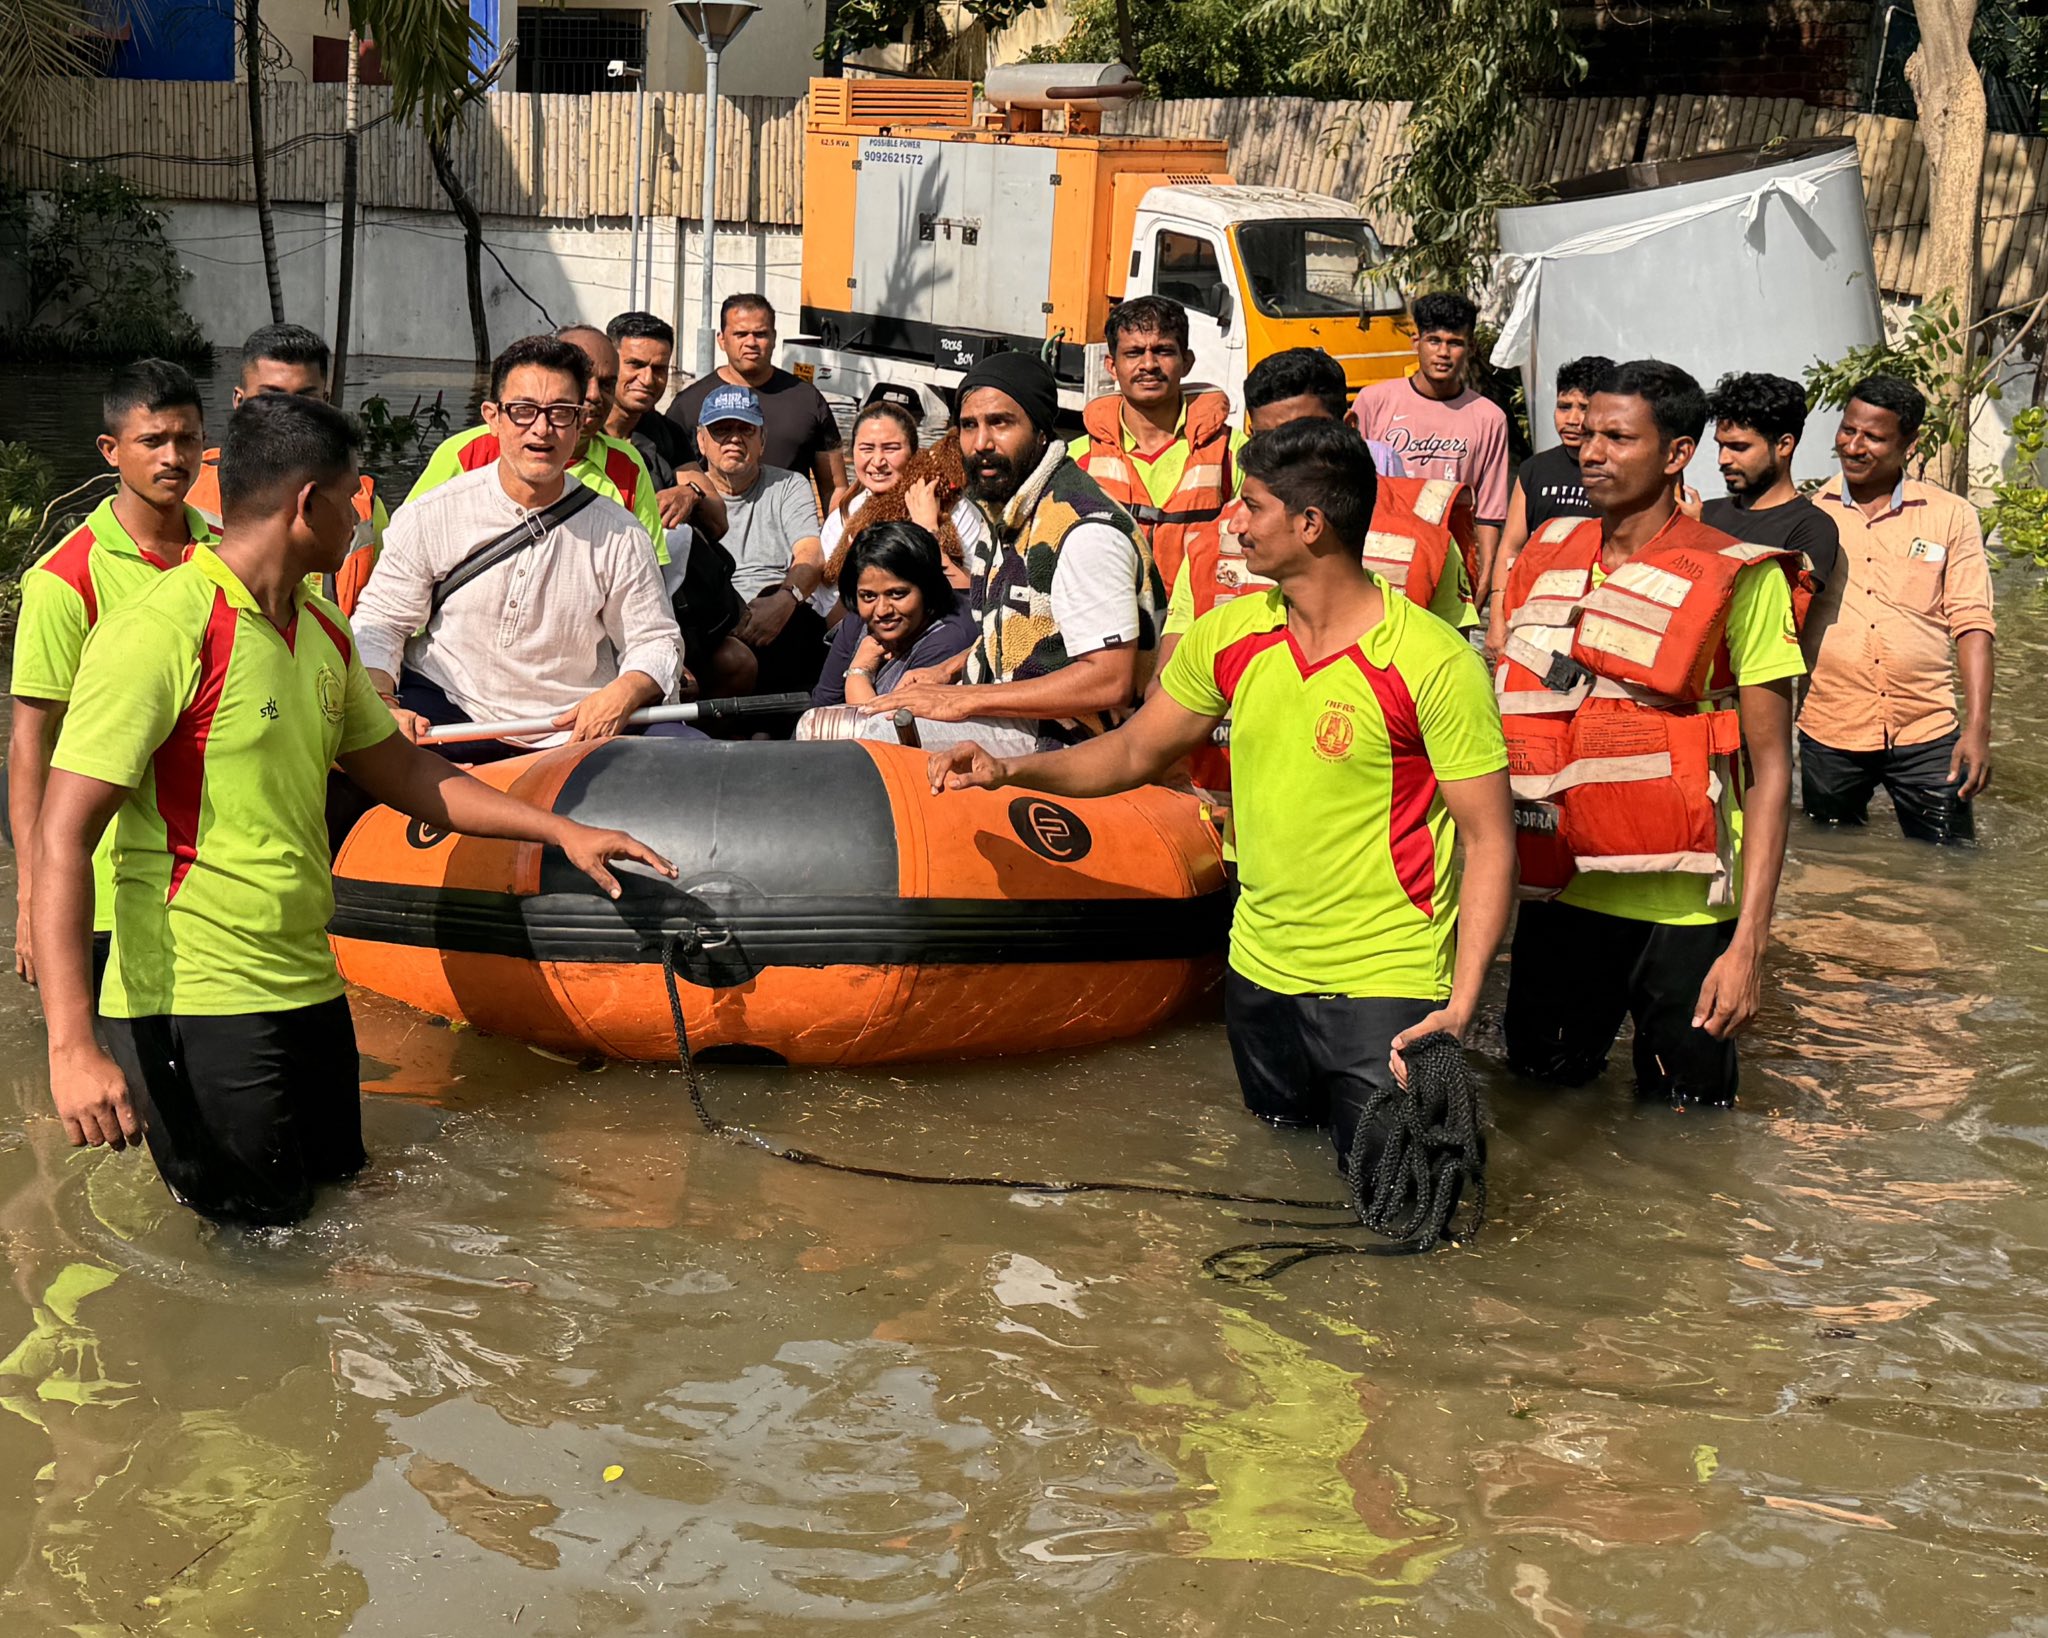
{"type": "Point", "coordinates": [1015, 1185]}
{"type": "Point", "coordinates": [1415, 1152]}
{"type": "Point", "coordinates": [1414, 1155]}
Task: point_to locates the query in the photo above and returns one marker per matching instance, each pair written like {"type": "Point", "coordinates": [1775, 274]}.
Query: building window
{"type": "Point", "coordinates": [566, 50]}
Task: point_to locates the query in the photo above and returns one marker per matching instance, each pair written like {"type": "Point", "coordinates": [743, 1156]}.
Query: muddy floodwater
{"type": "Point", "coordinates": [564, 1364]}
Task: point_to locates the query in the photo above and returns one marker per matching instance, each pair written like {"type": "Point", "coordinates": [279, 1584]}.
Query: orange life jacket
{"type": "Point", "coordinates": [346, 585]}
{"type": "Point", "coordinates": [1415, 524]}
{"type": "Point", "coordinates": [1612, 763]}
{"type": "Point", "coordinates": [1188, 524]}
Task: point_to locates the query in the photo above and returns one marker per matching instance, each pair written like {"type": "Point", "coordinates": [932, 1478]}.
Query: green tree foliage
{"type": "Point", "coordinates": [861, 25]}
{"type": "Point", "coordinates": [2017, 517]}
{"type": "Point", "coordinates": [42, 42]}
{"type": "Point", "coordinates": [103, 277]}
{"type": "Point", "coordinates": [1467, 69]}
{"type": "Point", "coordinates": [1188, 48]}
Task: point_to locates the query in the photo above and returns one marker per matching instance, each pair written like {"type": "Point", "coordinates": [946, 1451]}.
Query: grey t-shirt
{"type": "Point", "coordinates": [763, 525]}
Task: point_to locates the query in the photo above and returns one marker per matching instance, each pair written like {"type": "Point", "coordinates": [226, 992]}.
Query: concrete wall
{"type": "Point", "coordinates": [409, 280]}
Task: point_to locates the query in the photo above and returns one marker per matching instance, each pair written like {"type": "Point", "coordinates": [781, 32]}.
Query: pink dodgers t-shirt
{"type": "Point", "coordinates": [1464, 438]}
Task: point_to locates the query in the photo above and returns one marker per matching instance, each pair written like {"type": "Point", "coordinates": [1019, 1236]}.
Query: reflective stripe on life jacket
{"type": "Point", "coordinates": [1192, 517]}
{"type": "Point", "coordinates": [1612, 763]}
{"type": "Point", "coordinates": [1415, 523]}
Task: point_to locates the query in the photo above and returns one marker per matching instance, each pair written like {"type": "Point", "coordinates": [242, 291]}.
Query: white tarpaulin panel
{"type": "Point", "coordinates": [1735, 262]}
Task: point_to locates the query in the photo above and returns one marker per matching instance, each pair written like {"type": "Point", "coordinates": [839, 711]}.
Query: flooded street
{"type": "Point", "coordinates": [563, 1363]}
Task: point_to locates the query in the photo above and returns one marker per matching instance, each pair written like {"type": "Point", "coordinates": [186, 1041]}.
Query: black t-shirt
{"type": "Point", "coordinates": [799, 423]}
{"type": "Point", "coordinates": [1550, 487]}
{"type": "Point", "coordinates": [664, 448]}
{"type": "Point", "coordinates": [1798, 524]}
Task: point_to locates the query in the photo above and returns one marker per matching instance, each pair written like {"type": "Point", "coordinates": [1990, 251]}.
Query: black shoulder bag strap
{"type": "Point", "coordinates": [530, 530]}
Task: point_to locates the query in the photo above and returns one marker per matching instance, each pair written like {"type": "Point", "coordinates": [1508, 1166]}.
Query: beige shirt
{"type": "Point", "coordinates": [538, 633]}
{"type": "Point", "coordinates": [1908, 583]}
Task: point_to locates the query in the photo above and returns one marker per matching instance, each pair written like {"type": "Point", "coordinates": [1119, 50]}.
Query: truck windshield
{"type": "Point", "coordinates": [1305, 269]}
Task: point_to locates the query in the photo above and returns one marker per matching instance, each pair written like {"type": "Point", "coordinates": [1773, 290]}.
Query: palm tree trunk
{"type": "Point", "coordinates": [344, 299]}
{"type": "Point", "coordinates": [259, 157]}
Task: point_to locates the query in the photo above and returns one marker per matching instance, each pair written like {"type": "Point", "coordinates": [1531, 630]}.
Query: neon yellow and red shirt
{"type": "Point", "coordinates": [222, 728]}
{"type": "Point", "coordinates": [610, 465]}
{"type": "Point", "coordinates": [96, 569]}
{"type": "Point", "coordinates": [1348, 878]}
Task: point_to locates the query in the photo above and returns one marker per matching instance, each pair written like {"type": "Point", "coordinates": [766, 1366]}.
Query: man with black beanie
{"type": "Point", "coordinates": [1067, 598]}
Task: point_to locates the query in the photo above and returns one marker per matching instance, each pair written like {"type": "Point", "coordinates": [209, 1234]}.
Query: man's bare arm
{"type": "Point", "coordinates": [1102, 681]}
{"type": "Point", "coordinates": [1135, 754]}
{"type": "Point", "coordinates": [1969, 768]}
{"type": "Point", "coordinates": [1484, 816]}
{"type": "Point", "coordinates": [1734, 984]}
{"type": "Point", "coordinates": [401, 775]}
{"type": "Point", "coordinates": [88, 1089]}
{"type": "Point", "coordinates": [31, 742]}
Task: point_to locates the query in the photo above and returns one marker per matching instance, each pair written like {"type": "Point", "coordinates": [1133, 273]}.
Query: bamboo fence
{"type": "Point", "coordinates": [570, 157]}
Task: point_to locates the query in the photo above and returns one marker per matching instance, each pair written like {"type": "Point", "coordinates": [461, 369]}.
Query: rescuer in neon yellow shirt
{"type": "Point", "coordinates": [154, 430]}
{"type": "Point", "coordinates": [1364, 745]}
{"type": "Point", "coordinates": [204, 721]}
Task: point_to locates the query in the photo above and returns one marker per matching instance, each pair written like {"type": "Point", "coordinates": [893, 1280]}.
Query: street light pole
{"type": "Point", "coordinates": [619, 69]}
{"type": "Point", "coordinates": [714, 24]}
{"type": "Point", "coordinates": [639, 135]}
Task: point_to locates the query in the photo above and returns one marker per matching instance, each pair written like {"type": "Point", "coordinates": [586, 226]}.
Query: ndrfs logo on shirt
{"type": "Point", "coordinates": [1334, 732]}
{"type": "Point", "coordinates": [333, 696]}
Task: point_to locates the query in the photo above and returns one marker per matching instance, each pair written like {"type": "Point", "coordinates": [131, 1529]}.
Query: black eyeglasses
{"type": "Point", "coordinates": [560, 416]}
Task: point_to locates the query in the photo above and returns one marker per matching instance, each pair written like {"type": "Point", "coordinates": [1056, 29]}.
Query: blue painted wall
{"type": "Point", "coordinates": [178, 40]}
{"type": "Point", "coordinates": [484, 13]}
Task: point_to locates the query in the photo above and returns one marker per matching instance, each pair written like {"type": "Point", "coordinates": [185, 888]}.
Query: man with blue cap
{"type": "Point", "coordinates": [772, 531]}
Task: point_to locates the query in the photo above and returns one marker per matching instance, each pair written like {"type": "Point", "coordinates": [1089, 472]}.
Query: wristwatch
{"type": "Point", "coordinates": [799, 596]}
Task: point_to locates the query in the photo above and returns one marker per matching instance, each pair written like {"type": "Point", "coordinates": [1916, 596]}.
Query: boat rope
{"type": "Point", "coordinates": [1220, 1263]}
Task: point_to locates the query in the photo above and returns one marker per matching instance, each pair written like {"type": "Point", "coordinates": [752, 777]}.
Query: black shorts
{"type": "Point", "coordinates": [1577, 974]}
{"type": "Point", "coordinates": [1313, 1060]}
{"type": "Point", "coordinates": [246, 1115]}
{"type": "Point", "coordinates": [1835, 787]}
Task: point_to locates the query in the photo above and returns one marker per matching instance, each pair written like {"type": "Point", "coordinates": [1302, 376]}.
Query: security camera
{"type": "Point", "coordinates": [616, 68]}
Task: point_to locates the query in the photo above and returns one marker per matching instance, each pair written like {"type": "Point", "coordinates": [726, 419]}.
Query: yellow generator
{"type": "Point", "coordinates": [934, 236]}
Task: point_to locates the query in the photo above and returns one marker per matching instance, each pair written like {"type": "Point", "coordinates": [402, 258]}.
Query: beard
{"type": "Point", "coordinates": [1742, 488]}
{"type": "Point", "coordinates": [992, 477]}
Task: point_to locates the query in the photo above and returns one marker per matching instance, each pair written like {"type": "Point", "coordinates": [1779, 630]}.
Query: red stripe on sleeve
{"type": "Point", "coordinates": [479, 452]}
{"type": "Point", "coordinates": [1233, 660]}
{"type": "Point", "coordinates": [624, 473]}
{"type": "Point", "coordinates": [72, 564]}
{"type": "Point", "coordinates": [181, 759]}
{"type": "Point", "coordinates": [1408, 836]}
{"type": "Point", "coordinates": [340, 637]}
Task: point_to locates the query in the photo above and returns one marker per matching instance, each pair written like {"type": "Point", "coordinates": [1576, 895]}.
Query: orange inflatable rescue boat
{"type": "Point", "coordinates": [829, 910]}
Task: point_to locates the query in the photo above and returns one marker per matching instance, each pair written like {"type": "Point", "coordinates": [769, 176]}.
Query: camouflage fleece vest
{"type": "Point", "coordinates": [1012, 596]}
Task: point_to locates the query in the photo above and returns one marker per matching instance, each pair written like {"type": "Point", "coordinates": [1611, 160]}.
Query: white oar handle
{"type": "Point", "coordinates": [752, 705]}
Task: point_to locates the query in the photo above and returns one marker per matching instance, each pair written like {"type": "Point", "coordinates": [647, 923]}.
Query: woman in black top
{"type": "Point", "coordinates": [902, 615]}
